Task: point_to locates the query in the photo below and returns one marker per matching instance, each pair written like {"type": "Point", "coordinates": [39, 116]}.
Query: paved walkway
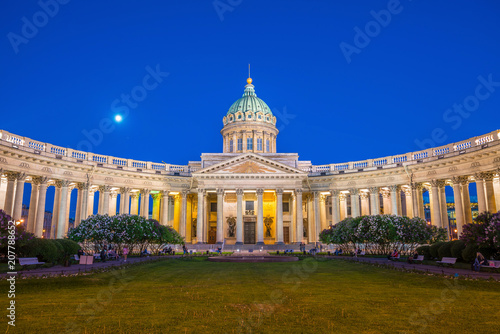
{"type": "Point", "coordinates": [422, 267]}
{"type": "Point", "coordinates": [81, 268]}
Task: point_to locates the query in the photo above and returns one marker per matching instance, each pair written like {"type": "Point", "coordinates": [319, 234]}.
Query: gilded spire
{"type": "Point", "coordinates": [249, 80]}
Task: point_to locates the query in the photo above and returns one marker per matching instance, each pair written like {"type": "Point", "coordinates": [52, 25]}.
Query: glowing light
{"type": "Point", "coordinates": [118, 118]}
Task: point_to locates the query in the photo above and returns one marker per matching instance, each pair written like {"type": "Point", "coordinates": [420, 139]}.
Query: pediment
{"type": "Point", "coordinates": [249, 163]}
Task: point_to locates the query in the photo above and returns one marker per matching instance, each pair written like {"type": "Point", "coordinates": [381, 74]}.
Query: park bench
{"type": "Point", "coordinates": [395, 258]}
{"type": "Point", "coordinates": [449, 261]}
{"type": "Point", "coordinates": [492, 264]}
{"type": "Point", "coordinates": [28, 261]}
{"type": "Point", "coordinates": [419, 258]}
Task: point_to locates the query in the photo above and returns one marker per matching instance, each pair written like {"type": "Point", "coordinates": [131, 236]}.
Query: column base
{"type": "Point", "coordinates": [261, 243]}
{"type": "Point", "coordinates": [280, 243]}
{"type": "Point", "coordinates": [238, 243]}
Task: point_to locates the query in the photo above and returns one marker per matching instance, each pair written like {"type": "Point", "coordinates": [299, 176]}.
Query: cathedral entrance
{"type": "Point", "coordinates": [249, 233]}
{"type": "Point", "coordinates": [212, 235]}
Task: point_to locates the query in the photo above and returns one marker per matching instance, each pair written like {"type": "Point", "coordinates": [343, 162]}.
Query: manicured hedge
{"type": "Point", "coordinates": [44, 249]}
{"type": "Point", "coordinates": [456, 249]}
{"type": "Point", "coordinates": [425, 251]}
{"type": "Point", "coordinates": [445, 249]}
{"type": "Point", "coordinates": [434, 249]}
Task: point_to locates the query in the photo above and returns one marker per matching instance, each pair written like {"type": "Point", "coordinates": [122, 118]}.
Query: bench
{"type": "Point", "coordinates": [395, 258]}
{"type": "Point", "coordinates": [419, 258]}
{"type": "Point", "coordinates": [492, 264]}
{"type": "Point", "coordinates": [28, 261]}
{"type": "Point", "coordinates": [449, 261]}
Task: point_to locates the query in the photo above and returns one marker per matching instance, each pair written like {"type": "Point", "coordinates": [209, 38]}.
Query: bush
{"type": "Point", "coordinates": [425, 251]}
{"type": "Point", "coordinates": [68, 248]}
{"type": "Point", "coordinates": [60, 250]}
{"type": "Point", "coordinates": [445, 250]}
{"type": "Point", "coordinates": [457, 248]}
{"type": "Point", "coordinates": [434, 249]}
{"type": "Point", "coordinates": [469, 253]}
{"type": "Point", "coordinates": [44, 249]}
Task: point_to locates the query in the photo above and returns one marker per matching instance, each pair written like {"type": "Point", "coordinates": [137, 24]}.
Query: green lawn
{"type": "Point", "coordinates": [310, 296]}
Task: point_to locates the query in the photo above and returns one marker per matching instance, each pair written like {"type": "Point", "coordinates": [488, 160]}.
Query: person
{"type": "Point", "coordinates": [125, 253]}
{"type": "Point", "coordinates": [103, 254]}
{"type": "Point", "coordinates": [184, 249]}
{"type": "Point", "coordinates": [112, 254]}
{"type": "Point", "coordinates": [411, 259]}
{"type": "Point", "coordinates": [80, 253]}
{"type": "Point", "coordinates": [394, 255]}
{"type": "Point", "coordinates": [479, 261]}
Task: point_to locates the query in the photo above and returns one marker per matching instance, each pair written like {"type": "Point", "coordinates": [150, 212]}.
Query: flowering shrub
{"type": "Point", "coordinates": [483, 233]}
{"type": "Point", "coordinates": [123, 230]}
{"type": "Point", "coordinates": [21, 236]}
{"type": "Point", "coordinates": [382, 233]}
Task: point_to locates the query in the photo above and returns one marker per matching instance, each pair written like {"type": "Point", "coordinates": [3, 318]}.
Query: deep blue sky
{"type": "Point", "coordinates": [394, 91]}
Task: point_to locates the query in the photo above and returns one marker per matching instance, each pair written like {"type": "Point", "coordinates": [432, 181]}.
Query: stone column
{"type": "Point", "coordinates": [145, 203]}
{"type": "Point", "coordinates": [91, 201]}
{"type": "Point", "coordinates": [415, 199]}
{"type": "Point", "coordinates": [279, 217]}
{"type": "Point", "coordinates": [435, 207]}
{"type": "Point", "coordinates": [386, 201]}
{"type": "Point", "coordinates": [293, 221]}
{"type": "Point", "coordinates": [394, 199]}
{"type": "Point", "coordinates": [421, 202]}
{"type": "Point", "coordinates": [84, 209]}
{"type": "Point", "coordinates": [200, 217]}
{"type": "Point", "coordinates": [68, 204]}
{"type": "Point", "coordinates": [164, 208]}
{"type": "Point", "coordinates": [79, 201]}
{"type": "Point", "coordinates": [343, 206]}
{"type": "Point", "coordinates": [354, 202]}
{"type": "Point", "coordinates": [482, 205]}
{"type": "Point", "coordinates": [55, 210]}
{"type": "Point", "coordinates": [496, 187]}
{"type": "Point", "coordinates": [10, 193]}
{"type": "Point", "coordinates": [183, 216]}
{"type": "Point", "coordinates": [365, 204]}
{"type": "Point", "coordinates": [113, 201]}
{"type": "Point", "coordinates": [124, 200]}
{"type": "Point", "coordinates": [459, 210]}
{"type": "Point", "coordinates": [374, 201]}
{"type": "Point", "coordinates": [466, 201]}
{"type": "Point", "coordinates": [220, 216]}
{"type": "Point", "coordinates": [444, 206]}
{"type": "Point", "coordinates": [63, 207]}
{"type": "Point", "coordinates": [40, 209]}
{"type": "Point", "coordinates": [335, 206]}
{"type": "Point", "coordinates": [409, 202]}
{"type": "Point", "coordinates": [322, 213]}
{"type": "Point", "coordinates": [3, 192]}
{"type": "Point", "coordinates": [156, 206]}
{"type": "Point", "coordinates": [239, 217]}
{"type": "Point", "coordinates": [134, 209]}
{"type": "Point", "coordinates": [490, 192]}
{"type": "Point", "coordinates": [299, 216]}
{"type": "Point", "coordinates": [35, 185]}
{"type": "Point", "coordinates": [18, 201]}
{"type": "Point", "coordinates": [260, 217]}
{"type": "Point", "coordinates": [104, 199]}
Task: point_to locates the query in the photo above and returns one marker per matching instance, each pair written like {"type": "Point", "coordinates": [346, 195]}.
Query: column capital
{"type": "Point", "coordinates": [334, 192]}
{"type": "Point", "coordinates": [260, 191]}
{"type": "Point", "coordinates": [21, 176]}
{"type": "Point", "coordinates": [459, 180]}
{"type": "Point", "coordinates": [11, 176]}
{"type": "Point", "coordinates": [62, 183]}
{"type": "Point", "coordinates": [417, 185]}
{"type": "Point", "coordinates": [39, 180]}
{"type": "Point", "coordinates": [105, 189]}
{"type": "Point", "coordinates": [134, 195]}
{"type": "Point", "coordinates": [438, 183]}
{"type": "Point", "coordinates": [386, 193]}
{"type": "Point", "coordinates": [184, 193]}
{"type": "Point", "coordinates": [165, 193]}
{"type": "Point", "coordinates": [298, 191]}
{"type": "Point", "coordinates": [201, 191]}
{"type": "Point", "coordinates": [220, 191]}
{"type": "Point", "coordinates": [407, 191]}
{"type": "Point", "coordinates": [124, 190]}
{"type": "Point", "coordinates": [363, 195]}
{"type": "Point", "coordinates": [239, 192]}
{"type": "Point", "coordinates": [144, 191]}
{"type": "Point", "coordinates": [374, 190]}
{"type": "Point", "coordinates": [395, 187]}
{"type": "Point", "coordinates": [353, 191]}
{"type": "Point", "coordinates": [279, 191]}
{"type": "Point", "coordinates": [487, 176]}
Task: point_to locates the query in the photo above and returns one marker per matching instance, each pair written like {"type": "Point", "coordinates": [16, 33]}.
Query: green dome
{"type": "Point", "coordinates": [249, 102]}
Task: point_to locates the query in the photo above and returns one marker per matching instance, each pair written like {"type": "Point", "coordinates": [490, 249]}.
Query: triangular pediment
{"type": "Point", "coordinates": [249, 163]}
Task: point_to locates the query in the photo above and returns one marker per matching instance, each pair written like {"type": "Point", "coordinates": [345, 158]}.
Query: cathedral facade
{"type": "Point", "coordinates": [248, 194]}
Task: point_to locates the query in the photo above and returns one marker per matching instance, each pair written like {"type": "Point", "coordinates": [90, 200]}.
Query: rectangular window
{"type": "Point", "coordinates": [267, 145]}
{"type": "Point", "coordinates": [249, 143]}
{"type": "Point", "coordinates": [231, 145]}
{"type": "Point", "coordinates": [259, 144]}
{"type": "Point", "coordinates": [213, 207]}
{"type": "Point", "coordinates": [240, 144]}
{"type": "Point", "coordinates": [249, 205]}
{"type": "Point", "coordinates": [286, 207]}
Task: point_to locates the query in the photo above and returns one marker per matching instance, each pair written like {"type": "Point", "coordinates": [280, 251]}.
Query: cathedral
{"type": "Point", "coordinates": [249, 194]}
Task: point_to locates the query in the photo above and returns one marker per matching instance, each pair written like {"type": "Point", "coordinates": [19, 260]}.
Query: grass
{"type": "Point", "coordinates": [192, 295]}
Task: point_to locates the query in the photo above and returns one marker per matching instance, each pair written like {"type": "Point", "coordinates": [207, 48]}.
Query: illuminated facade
{"type": "Point", "coordinates": [249, 193]}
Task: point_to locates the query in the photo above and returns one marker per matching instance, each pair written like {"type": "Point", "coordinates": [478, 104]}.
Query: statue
{"type": "Point", "coordinates": [231, 227]}
{"type": "Point", "coordinates": [268, 221]}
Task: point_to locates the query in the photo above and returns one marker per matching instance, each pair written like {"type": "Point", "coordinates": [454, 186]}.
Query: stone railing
{"type": "Point", "coordinates": [45, 149]}
{"type": "Point", "coordinates": [471, 144]}
{"type": "Point", "coordinates": [49, 150]}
